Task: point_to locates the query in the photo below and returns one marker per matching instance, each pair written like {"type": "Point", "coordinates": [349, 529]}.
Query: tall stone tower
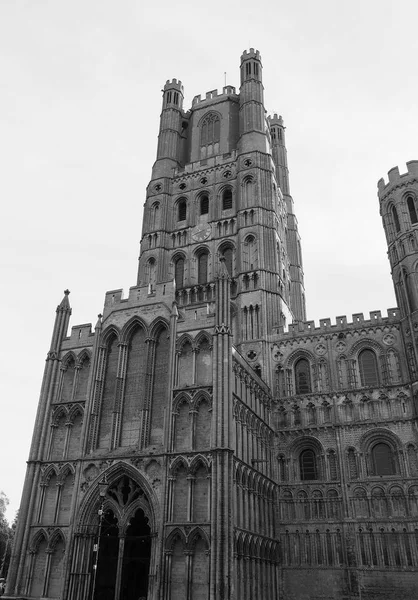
{"type": "Point", "coordinates": [131, 489]}
{"type": "Point", "coordinates": [399, 210]}
{"type": "Point", "coordinates": [205, 441]}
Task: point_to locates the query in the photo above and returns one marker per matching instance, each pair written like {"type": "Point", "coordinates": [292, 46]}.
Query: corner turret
{"type": "Point", "coordinates": [252, 111]}
{"type": "Point", "coordinates": [171, 127]}
{"type": "Point", "coordinates": [399, 211]}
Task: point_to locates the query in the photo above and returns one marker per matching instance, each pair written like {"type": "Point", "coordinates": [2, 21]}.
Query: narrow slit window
{"type": "Point", "coordinates": [396, 220]}
{"type": "Point", "coordinates": [412, 210]}
{"type": "Point", "coordinates": [227, 199]}
{"type": "Point", "coordinates": [182, 210]}
{"type": "Point", "coordinates": [204, 205]}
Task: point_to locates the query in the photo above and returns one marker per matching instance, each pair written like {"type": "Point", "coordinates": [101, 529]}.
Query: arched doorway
{"type": "Point", "coordinates": [123, 544]}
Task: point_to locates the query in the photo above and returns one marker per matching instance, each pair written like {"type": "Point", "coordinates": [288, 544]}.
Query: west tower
{"type": "Point", "coordinates": [204, 441]}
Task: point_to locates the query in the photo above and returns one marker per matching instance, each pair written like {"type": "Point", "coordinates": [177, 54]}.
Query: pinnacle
{"type": "Point", "coordinates": [65, 303]}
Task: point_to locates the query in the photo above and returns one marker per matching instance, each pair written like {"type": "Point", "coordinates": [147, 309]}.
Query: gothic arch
{"type": "Point", "coordinates": [39, 537]}
{"type": "Point", "coordinates": [56, 537]}
{"type": "Point", "coordinates": [84, 355]}
{"type": "Point", "coordinates": [48, 473]}
{"type": "Point", "coordinates": [182, 398]}
{"type": "Point", "coordinates": [201, 337]}
{"type": "Point", "coordinates": [60, 411]}
{"type": "Point", "coordinates": [173, 537]}
{"type": "Point", "coordinates": [66, 470]}
{"type": "Point", "coordinates": [157, 326]}
{"type": "Point", "coordinates": [68, 358]}
{"type": "Point", "coordinates": [75, 410]}
{"type": "Point", "coordinates": [202, 396]}
{"type": "Point", "coordinates": [177, 464]}
{"type": "Point", "coordinates": [109, 333]}
{"type": "Point", "coordinates": [112, 475]}
{"type": "Point", "coordinates": [184, 339]}
{"type": "Point", "coordinates": [195, 534]}
{"type": "Point", "coordinates": [130, 327]}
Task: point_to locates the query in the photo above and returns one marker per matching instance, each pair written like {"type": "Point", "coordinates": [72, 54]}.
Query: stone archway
{"type": "Point", "coordinates": [115, 541]}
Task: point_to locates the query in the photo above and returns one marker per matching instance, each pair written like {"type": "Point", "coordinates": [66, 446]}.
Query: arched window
{"type": "Point", "coordinates": [155, 215]}
{"type": "Point", "coordinates": [151, 272]}
{"type": "Point", "coordinates": [179, 273]}
{"type": "Point", "coordinates": [412, 210]}
{"type": "Point", "coordinates": [182, 210]}
{"type": "Point", "coordinates": [368, 368]}
{"type": "Point", "coordinates": [302, 377]}
{"type": "Point", "coordinates": [382, 460]}
{"type": "Point", "coordinates": [396, 220]}
{"type": "Point", "coordinates": [249, 254]}
{"type": "Point", "coordinates": [204, 204]}
{"type": "Point", "coordinates": [202, 267]}
{"type": "Point", "coordinates": [227, 199]}
{"type": "Point", "coordinates": [210, 130]}
{"type": "Point", "coordinates": [308, 468]}
{"type": "Point", "coordinates": [228, 255]}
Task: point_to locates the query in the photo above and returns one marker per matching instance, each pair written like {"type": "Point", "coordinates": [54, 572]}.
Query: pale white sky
{"type": "Point", "coordinates": [80, 98]}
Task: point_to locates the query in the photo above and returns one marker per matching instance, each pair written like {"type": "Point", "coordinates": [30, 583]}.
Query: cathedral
{"type": "Point", "coordinates": [205, 441]}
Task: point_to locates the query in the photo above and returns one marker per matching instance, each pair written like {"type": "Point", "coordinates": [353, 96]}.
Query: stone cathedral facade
{"type": "Point", "coordinates": [205, 441]}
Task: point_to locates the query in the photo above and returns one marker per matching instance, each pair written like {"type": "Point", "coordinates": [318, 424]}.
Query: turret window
{"type": "Point", "coordinates": [182, 210]}
{"type": "Point", "coordinates": [302, 377]}
{"type": "Point", "coordinates": [204, 204]}
{"type": "Point", "coordinates": [368, 368]}
{"type": "Point", "coordinates": [227, 199]}
{"type": "Point", "coordinates": [412, 210]}
{"type": "Point", "coordinates": [396, 220]}
{"type": "Point", "coordinates": [210, 130]}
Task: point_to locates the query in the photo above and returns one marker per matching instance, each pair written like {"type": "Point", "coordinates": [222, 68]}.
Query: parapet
{"type": "Point", "coordinates": [246, 55]}
{"type": "Point", "coordinates": [275, 120]}
{"type": "Point", "coordinates": [174, 85]}
{"type": "Point", "coordinates": [395, 178]}
{"type": "Point", "coordinates": [81, 335]}
{"type": "Point", "coordinates": [228, 90]}
{"type": "Point", "coordinates": [358, 320]}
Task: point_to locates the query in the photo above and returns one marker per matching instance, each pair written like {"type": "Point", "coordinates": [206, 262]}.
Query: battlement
{"type": "Point", "coordinates": [325, 326]}
{"type": "Point", "coordinates": [246, 55]}
{"type": "Point", "coordinates": [81, 335]}
{"type": "Point", "coordinates": [395, 178]}
{"type": "Point", "coordinates": [174, 85]}
{"type": "Point", "coordinates": [275, 120]}
{"type": "Point", "coordinates": [138, 296]}
{"type": "Point", "coordinates": [227, 90]}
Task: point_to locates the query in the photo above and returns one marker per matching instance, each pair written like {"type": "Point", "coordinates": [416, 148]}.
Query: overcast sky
{"type": "Point", "coordinates": [80, 98]}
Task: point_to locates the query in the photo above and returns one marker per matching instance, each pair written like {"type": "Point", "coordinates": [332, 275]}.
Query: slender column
{"type": "Point", "coordinates": [119, 567]}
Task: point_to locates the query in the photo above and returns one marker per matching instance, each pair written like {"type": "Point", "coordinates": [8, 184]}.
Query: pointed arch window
{"type": "Point", "coordinates": [179, 272]}
{"type": "Point", "coordinates": [302, 377]}
{"type": "Point", "coordinates": [412, 209]}
{"type": "Point", "coordinates": [204, 204]}
{"type": "Point", "coordinates": [227, 199]}
{"type": "Point", "coordinates": [396, 219]}
{"type": "Point", "coordinates": [210, 130]}
{"type": "Point", "coordinates": [368, 368]}
{"type": "Point", "coordinates": [182, 210]}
